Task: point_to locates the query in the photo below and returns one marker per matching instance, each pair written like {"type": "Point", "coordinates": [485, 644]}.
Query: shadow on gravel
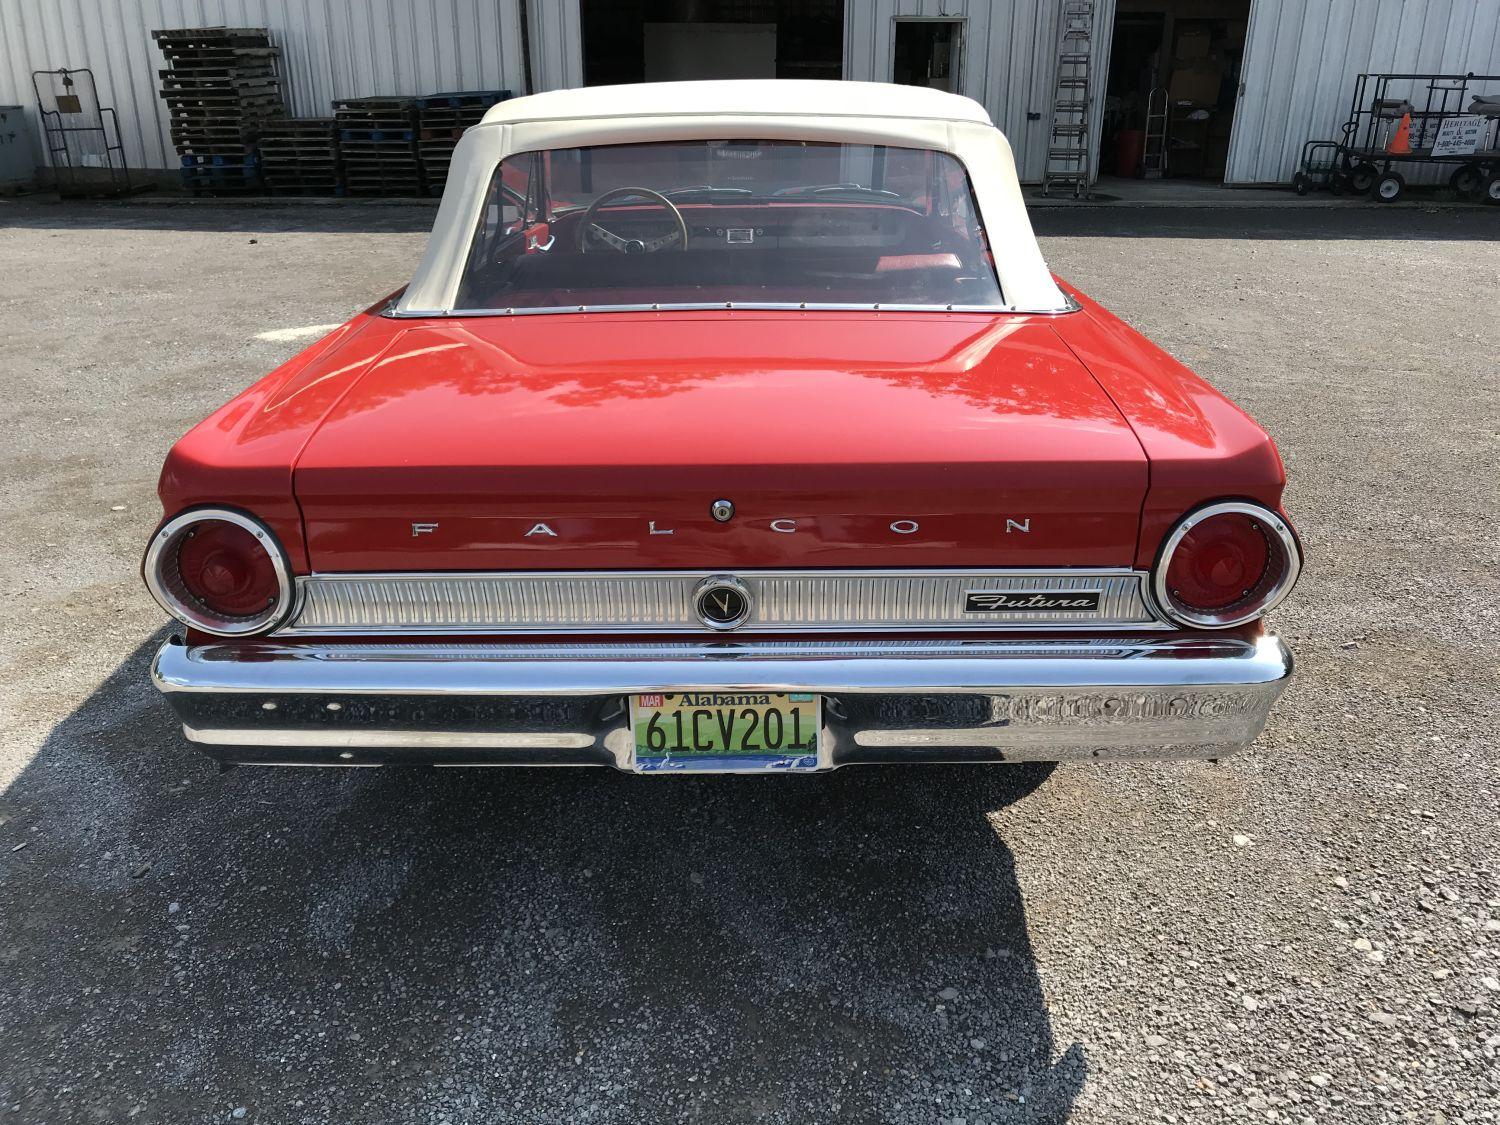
{"type": "Point", "coordinates": [495, 946]}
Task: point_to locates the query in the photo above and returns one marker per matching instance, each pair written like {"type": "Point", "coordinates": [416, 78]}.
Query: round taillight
{"type": "Point", "coordinates": [1226, 564]}
{"type": "Point", "coordinates": [220, 571]}
{"type": "Point", "coordinates": [226, 569]}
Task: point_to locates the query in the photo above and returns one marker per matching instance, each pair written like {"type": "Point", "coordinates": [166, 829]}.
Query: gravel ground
{"type": "Point", "coordinates": [1307, 933]}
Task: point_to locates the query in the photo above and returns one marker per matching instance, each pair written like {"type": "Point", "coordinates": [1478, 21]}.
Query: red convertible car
{"type": "Point", "coordinates": [727, 427]}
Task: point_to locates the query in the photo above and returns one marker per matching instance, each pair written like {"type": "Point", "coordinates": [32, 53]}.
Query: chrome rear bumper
{"type": "Point", "coordinates": [456, 704]}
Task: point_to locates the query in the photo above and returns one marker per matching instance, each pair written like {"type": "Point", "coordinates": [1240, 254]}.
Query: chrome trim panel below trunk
{"type": "Point", "coordinates": [662, 601]}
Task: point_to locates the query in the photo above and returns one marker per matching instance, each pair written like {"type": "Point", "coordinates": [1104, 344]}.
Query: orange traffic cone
{"type": "Point", "coordinates": [1401, 143]}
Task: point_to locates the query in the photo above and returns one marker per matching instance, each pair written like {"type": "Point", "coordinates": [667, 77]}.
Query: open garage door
{"type": "Point", "coordinates": [1171, 95]}
{"type": "Point", "coordinates": [678, 40]}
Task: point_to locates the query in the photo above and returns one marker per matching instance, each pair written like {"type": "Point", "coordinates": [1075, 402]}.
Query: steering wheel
{"type": "Point", "coordinates": [587, 225]}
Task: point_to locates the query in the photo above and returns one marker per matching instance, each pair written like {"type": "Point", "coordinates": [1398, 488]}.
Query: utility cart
{"type": "Point", "coordinates": [1453, 120]}
{"type": "Point", "coordinates": [81, 137]}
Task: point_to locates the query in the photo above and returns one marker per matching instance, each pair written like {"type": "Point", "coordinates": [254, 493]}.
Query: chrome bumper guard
{"type": "Point", "coordinates": [565, 704]}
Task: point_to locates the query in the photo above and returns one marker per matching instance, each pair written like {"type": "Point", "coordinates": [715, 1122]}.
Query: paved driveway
{"type": "Point", "coordinates": [1305, 933]}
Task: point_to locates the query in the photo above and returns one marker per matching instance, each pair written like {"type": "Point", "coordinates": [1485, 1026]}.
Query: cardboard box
{"type": "Point", "coordinates": [1193, 44]}
{"type": "Point", "coordinates": [1198, 84]}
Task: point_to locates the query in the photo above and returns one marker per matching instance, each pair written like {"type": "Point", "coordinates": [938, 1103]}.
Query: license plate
{"type": "Point", "coordinates": [726, 731]}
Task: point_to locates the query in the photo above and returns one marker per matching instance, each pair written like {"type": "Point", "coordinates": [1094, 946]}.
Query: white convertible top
{"type": "Point", "coordinates": [868, 113]}
{"type": "Point", "coordinates": [783, 97]}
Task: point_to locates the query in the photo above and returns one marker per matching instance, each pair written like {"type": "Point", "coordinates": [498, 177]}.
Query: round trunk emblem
{"type": "Point", "coordinates": [722, 601]}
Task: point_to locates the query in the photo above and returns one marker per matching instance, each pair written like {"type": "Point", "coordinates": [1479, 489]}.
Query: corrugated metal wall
{"type": "Point", "coordinates": [1301, 60]}
{"type": "Point", "coordinates": [1302, 57]}
{"type": "Point", "coordinates": [1009, 59]}
{"type": "Point", "coordinates": [1008, 55]}
{"type": "Point", "coordinates": [556, 32]}
{"type": "Point", "coordinates": [330, 49]}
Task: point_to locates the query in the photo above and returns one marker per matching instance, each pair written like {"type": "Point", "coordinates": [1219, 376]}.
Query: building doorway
{"type": "Point", "coordinates": [678, 40]}
{"type": "Point", "coordinates": [927, 52]}
{"type": "Point", "coordinates": [1179, 61]}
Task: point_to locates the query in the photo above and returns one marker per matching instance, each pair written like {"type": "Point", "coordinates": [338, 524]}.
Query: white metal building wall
{"type": "Point", "coordinates": [1009, 59]}
{"type": "Point", "coordinates": [330, 49]}
{"type": "Point", "coordinates": [1300, 62]}
{"type": "Point", "coordinates": [556, 33]}
{"type": "Point", "coordinates": [1302, 57]}
{"type": "Point", "coordinates": [1009, 55]}
{"type": "Point", "coordinates": [1003, 66]}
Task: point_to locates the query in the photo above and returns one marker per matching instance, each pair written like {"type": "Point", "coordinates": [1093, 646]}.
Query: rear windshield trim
{"type": "Point", "coordinates": [725, 306]}
{"type": "Point", "coordinates": [939, 197]}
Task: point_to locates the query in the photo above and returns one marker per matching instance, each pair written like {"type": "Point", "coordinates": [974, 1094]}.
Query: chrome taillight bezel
{"type": "Point", "coordinates": [159, 569]}
{"type": "Point", "coordinates": [1281, 536]}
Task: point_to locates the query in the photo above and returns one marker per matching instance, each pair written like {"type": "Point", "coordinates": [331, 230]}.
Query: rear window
{"type": "Point", "coordinates": [739, 222]}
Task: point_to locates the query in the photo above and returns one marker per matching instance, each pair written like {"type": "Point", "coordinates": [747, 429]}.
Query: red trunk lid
{"type": "Point", "coordinates": [600, 441]}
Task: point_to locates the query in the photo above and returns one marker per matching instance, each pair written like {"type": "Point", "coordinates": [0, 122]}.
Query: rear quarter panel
{"type": "Point", "coordinates": [243, 453]}
{"type": "Point", "coordinates": [1200, 445]}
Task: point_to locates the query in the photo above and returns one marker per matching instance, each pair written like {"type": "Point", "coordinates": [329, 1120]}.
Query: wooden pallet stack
{"type": "Point", "coordinates": [220, 85]}
{"type": "Point", "coordinates": [441, 120]}
{"type": "Point", "coordinates": [300, 156]}
{"type": "Point", "coordinates": [378, 145]}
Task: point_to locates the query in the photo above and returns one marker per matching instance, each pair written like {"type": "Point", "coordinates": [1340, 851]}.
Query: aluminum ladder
{"type": "Point", "coordinates": [1154, 146]}
{"type": "Point", "coordinates": [1068, 142]}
